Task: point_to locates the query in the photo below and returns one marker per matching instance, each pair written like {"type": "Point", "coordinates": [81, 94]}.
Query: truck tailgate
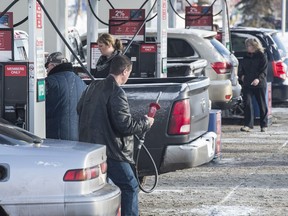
{"type": "Point", "coordinates": [141, 92]}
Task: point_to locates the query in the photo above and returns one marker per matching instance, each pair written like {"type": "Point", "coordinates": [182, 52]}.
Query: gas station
{"type": "Point", "coordinates": [22, 83]}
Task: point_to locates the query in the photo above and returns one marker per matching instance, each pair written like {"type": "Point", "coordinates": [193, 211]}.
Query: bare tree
{"type": "Point", "coordinates": [257, 13]}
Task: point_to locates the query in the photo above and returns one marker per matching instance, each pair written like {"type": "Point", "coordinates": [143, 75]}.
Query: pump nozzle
{"type": "Point", "coordinates": [154, 106]}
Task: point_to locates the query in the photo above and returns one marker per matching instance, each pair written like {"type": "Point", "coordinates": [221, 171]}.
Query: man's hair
{"type": "Point", "coordinates": [119, 64]}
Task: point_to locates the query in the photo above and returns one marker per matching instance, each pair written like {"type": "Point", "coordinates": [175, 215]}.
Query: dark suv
{"type": "Point", "coordinates": [277, 69]}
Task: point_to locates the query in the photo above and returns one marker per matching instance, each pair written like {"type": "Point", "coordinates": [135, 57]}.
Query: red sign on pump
{"type": "Point", "coordinates": [39, 18]}
{"type": "Point", "coordinates": [148, 48]}
{"type": "Point", "coordinates": [200, 17]}
{"type": "Point", "coordinates": [125, 23]}
{"type": "Point", "coordinates": [15, 70]}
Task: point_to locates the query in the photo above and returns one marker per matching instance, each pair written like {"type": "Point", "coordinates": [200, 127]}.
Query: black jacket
{"type": "Point", "coordinates": [105, 118]}
{"type": "Point", "coordinates": [103, 65]}
{"type": "Point", "coordinates": [63, 91]}
{"type": "Point", "coordinates": [254, 66]}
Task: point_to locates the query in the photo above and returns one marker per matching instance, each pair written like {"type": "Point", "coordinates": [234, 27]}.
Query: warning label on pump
{"type": "Point", "coordinates": [15, 70]}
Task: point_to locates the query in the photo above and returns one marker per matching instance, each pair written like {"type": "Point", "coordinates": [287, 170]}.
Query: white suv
{"type": "Point", "coordinates": [186, 45]}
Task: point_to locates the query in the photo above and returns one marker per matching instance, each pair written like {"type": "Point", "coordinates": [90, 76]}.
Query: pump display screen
{"type": "Point", "coordinates": [6, 21]}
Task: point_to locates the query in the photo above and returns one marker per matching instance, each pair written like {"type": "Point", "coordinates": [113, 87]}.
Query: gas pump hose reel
{"type": "Point", "coordinates": [153, 107]}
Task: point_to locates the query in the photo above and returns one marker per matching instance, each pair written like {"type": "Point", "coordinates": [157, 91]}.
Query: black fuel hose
{"type": "Point", "coordinates": [7, 9]}
{"type": "Point", "coordinates": [141, 140]}
{"type": "Point", "coordinates": [119, 24]}
{"type": "Point", "coordinates": [63, 39]}
{"type": "Point", "coordinates": [129, 44]}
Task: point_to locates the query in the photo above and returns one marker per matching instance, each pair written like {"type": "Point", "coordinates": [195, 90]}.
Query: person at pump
{"type": "Point", "coordinates": [253, 75]}
{"type": "Point", "coordinates": [105, 118]}
{"type": "Point", "coordinates": [109, 48]}
{"type": "Point", "coordinates": [63, 91]}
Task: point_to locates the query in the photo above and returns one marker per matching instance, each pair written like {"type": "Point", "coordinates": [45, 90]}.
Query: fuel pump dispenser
{"type": "Point", "coordinates": [14, 83]}
{"type": "Point", "coordinates": [22, 73]}
{"type": "Point", "coordinates": [144, 58]}
{"type": "Point", "coordinates": [153, 107]}
{"type": "Point", "coordinates": [14, 79]}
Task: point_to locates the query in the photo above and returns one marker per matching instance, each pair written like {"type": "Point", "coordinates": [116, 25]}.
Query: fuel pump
{"type": "Point", "coordinates": [144, 58]}
{"type": "Point", "coordinates": [14, 79]}
{"type": "Point", "coordinates": [153, 107]}
{"type": "Point", "coordinates": [14, 92]}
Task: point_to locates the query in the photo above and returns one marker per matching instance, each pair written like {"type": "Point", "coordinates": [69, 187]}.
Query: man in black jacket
{"type": "Point", "coordinates": [63, 91]}
{"type": "Point", "coordinates": [105, 118]}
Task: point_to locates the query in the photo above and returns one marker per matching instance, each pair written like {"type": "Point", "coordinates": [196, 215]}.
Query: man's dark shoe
{"type": "Point", "coordinates": [263, 129]}
{"type": "Point", "coordinates": [245, 129]}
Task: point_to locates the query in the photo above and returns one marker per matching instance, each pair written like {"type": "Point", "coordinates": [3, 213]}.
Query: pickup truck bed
{"type": "Point", "coordinates": [178, 139]}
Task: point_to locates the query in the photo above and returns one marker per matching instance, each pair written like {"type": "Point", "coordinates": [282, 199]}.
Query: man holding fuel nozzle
{"type": "Point", "coordinates": [105, 118]}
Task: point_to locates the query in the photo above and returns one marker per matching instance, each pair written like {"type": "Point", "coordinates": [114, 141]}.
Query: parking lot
{"type": "Point", "coordinates": [250, 179]}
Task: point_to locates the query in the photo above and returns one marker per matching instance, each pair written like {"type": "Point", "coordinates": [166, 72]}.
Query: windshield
{"type": "Point", "coordinates": [12, 135]}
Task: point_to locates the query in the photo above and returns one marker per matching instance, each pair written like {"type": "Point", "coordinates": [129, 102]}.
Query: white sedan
{"type": "Point", "coordinates": [53, 177]}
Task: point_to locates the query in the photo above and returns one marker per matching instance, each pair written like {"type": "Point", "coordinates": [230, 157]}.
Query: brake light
{"type": "Point", "coordinates": [180, 118]}
{"type": "Point", "coordinates": [228, 97]}
{"type": "Point", "coordinates": [103, 167]}
{"type": "Point", "coordinates": [119, 211]}
{"type": "Point", "coordinates": [279, 69]}
{"type": "Point", "coordinates": [82, 174]}
{"type": "Point", "coordinates": [221, 67]}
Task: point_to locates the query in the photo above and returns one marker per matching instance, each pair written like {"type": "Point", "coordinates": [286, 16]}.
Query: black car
{"type": "Point", "coordinates": [277, 69]}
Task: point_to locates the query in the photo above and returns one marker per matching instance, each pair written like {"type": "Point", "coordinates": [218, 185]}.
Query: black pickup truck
{"type": "Point", "coordinates": [179, 138]}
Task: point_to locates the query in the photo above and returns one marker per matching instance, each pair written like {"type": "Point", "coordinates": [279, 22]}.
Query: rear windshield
{"type": "Point", "coordinates": [177, 48]}
{"type": "Point", "coordinates": [279, 43]}
{"type": "Point", "coordinates": [11, 135]}
{"type": "Point", "coordinates": [273, 48]}
{"type": "Point", "coordinates": [220, 48]}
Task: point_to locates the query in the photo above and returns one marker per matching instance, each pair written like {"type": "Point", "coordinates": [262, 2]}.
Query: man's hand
{"type": "Point", "coordinates": [150, 120]}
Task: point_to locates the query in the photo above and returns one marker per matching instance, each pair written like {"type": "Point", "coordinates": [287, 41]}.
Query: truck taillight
{"type": "Point", "coordinates": [180, 118]}
{"type": "Point", "coordinates": [279, 69]}
{"type": "Point", "coordinates": [82, 174]}
{"type": "Point", "coordinates": [221, 67]}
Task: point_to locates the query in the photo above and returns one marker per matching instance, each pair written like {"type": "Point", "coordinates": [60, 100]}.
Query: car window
{"type": "Point", "coordinates": [11, 135]}
{"type": "Point", "coordinates": [273, 48]}
{"type": "Point", "coordinates": [280, 44]}
{"type": "Point", "coordinates": [238, 43]}
{"type": "Point", "coordinates": [179, 48]}
{"type": "Point", "coordinates": [220, 48]}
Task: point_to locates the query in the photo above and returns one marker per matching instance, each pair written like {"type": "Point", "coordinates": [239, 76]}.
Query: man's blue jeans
{"type": "Point", "coordinates": [123, 176]}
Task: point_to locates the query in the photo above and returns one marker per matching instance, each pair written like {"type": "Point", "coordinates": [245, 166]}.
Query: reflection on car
{"type": "Point", "coordinates": [53, 177]}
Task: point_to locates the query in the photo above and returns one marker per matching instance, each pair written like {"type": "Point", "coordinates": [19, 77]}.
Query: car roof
{"type": "Point", "coordinates": [197, 32]}
{"type": "Point", "coordinates": [253, 30]}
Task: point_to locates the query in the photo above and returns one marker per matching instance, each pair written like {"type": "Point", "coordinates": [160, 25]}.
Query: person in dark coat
{"type": "Point", "coordinates": [109, 48]}
{"type": "Point", "coordinates": [105, 118]}
{"type": "Point", "coordinates": [63, 91]}
{"type": "Point", "coordinates": [253, 75]}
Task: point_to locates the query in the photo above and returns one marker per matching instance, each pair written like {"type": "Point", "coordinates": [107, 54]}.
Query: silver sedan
{"type": "Point", "coordinates": [53, 177]}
